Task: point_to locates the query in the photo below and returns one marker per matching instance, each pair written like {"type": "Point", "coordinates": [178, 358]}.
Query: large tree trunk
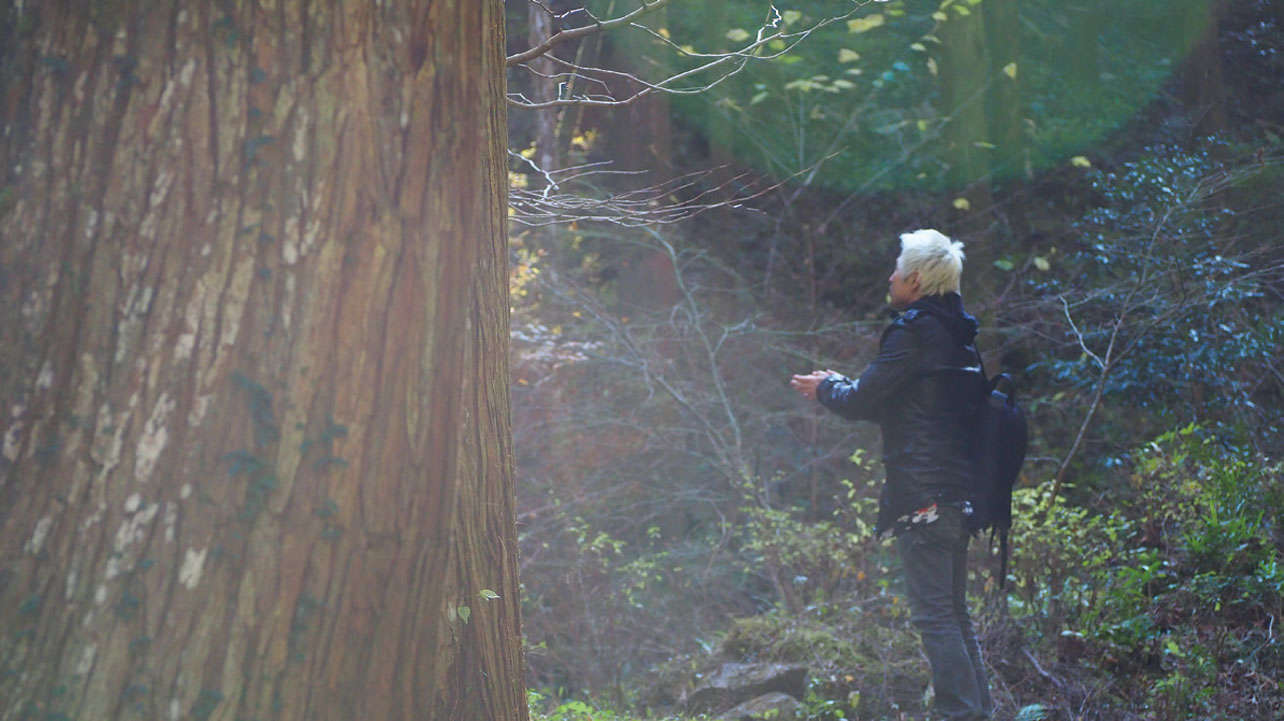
{"type": "Point", "coordinates": [256, 450]}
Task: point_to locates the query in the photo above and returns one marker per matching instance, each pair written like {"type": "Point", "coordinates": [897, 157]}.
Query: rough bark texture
{"type": "Point", "coordinates": [256, 448]}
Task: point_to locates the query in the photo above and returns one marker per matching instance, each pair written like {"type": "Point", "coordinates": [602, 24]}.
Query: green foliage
{"type": "Point", "coordinates": [547, 708]}
{"type": "Point", "coordinates": [1219, 505]}
{"type": "Point", "coordinates": [1167, 586]}
{"type": "Point", "coordinates": [873, 88]}
{"type": "Point", "coordinates": [1152, 251]}
{"type": "Point", "coordinates": [1053, 546]}
{"type": "Point", "coordinates": [805, 559]}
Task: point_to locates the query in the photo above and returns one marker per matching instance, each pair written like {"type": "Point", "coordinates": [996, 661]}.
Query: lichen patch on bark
{"type": "Point", "coordinates": [189, 574]}
{"type": "Point", "coordinates": [154, 437]}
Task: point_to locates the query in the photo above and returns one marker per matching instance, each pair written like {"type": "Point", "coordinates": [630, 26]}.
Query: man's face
{"type": "Point", "coordinates": [903, 290]}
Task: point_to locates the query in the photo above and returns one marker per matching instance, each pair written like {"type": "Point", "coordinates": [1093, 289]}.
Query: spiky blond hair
{"type": "Point", "coordinates": [937, 260]}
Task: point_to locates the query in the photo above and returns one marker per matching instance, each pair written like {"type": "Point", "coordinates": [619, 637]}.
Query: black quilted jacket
{"type": "Point", "coordinates": [923, 389]}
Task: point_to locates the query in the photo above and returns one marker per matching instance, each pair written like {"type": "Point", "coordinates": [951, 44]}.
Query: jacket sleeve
{"type": "Point", "coordinates": [865, 397]}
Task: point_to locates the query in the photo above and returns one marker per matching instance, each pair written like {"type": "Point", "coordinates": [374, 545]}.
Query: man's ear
{"type": "Point", "coordinates": [913, 280]}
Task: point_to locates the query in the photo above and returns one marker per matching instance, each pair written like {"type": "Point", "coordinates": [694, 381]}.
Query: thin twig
{"type": "Point", "coordinates": [596, 26]}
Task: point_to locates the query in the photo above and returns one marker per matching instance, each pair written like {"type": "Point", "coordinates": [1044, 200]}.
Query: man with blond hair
{"type": "Point", "coordinates": [924, 389]}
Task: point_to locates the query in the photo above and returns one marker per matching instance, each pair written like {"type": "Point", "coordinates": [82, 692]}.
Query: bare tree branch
{"type": "Point", "coordinates": [596, 26]}
{"type": "Point", "coordinates": [656, 204]}
{"type": "Point", "coordinates": [1079, 336]}
{"type": "Point", "coordinates": [738, 59]}
{"type": "Point", "coordinates": [1142, 294]}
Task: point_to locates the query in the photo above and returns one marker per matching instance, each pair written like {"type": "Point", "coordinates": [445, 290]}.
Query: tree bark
{"type": "Point", "coordinates": [1003, 33]}
{"type": "Point", "coordinates": [256, 446]}
{"type": "Point", "coordinates": [964, 76]}
{"type": "Point", "coordinates": [639, 135]}
{"type": "Point", "coordinates": [1082, 48]}
{"type": "Point", "coordinates": [548, 152]}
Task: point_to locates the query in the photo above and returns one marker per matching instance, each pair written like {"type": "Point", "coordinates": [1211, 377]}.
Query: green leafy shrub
{"type": "Point", "coordinates": [1169, 590]}
{"type": "Point", "coordinates": [806, 560]}
{"type": "Point", "coordinates": [548, 708]}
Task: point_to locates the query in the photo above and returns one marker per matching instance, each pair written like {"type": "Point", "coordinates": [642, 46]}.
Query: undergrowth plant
{"type": "Point", "coordinates": [1169, 590]}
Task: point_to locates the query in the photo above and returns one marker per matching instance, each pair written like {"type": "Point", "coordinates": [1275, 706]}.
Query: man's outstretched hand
{"type": "Point", "coordinates": [806, 385]}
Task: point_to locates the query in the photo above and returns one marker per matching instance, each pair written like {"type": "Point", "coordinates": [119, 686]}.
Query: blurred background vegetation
{"type": "Point", "coordinates": [1114, 169]}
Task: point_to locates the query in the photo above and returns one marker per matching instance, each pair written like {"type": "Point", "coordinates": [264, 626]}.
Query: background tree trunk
{"type": "Point", "coordinates": [1082, 46]}
{"type": "Point", "coordinates": [548, 151]}
{"type": "Point", "coordinates": [256, 452]}
{"type": "Point", "coordinates": [640, 135]}
{"type": "Point", "coordinates": [965, 77]}
{"type": "Point", "coordinates": [1003, 39]}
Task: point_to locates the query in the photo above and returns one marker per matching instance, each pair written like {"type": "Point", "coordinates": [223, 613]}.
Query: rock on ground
{"type": "Point", "coordinates": [736, 683]}
{"type": "Point", "coordinates": [774, 706]}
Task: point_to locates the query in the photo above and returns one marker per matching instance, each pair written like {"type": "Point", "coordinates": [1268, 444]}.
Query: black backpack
{"type": "Point", "coordinates": [1002, 436]}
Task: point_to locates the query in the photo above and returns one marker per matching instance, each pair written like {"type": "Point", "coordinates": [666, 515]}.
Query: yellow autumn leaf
{"type": "Point", "coordinates": [664, 33]}
{"type": "Point", "coordinates": [918, 46]}
{"type": "Point", "coordinates": [860, 25]}
{"type": "Point", "coordinates": [940, 17]}
{"type": "Point", "coordinates": [737, 35]}
{"type": "Point", "coordinates": [848, 56]}
{"type": "Point", "coordinates": [931, 66]}
{"type": "Point", "coordinates": [922, 126]}
{"type": "Point", "coordinates": [791, 16]}
{"type": "Point", "coordinates": [1079, 161]}
{"type": "Point", "coordinates": [1010, 70]}
{"type": "Point", "coordinates": [962, 204]}
{"type": "Point", "coordinates": [689, 50]}
{"type": "Point", "coordinates": [1042, 263]}
{"type": "Point", "coordinates": [962, 10]}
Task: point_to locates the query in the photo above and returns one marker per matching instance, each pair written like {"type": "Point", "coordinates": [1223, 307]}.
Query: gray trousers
{"type": "Point", "coordinates": [935, 565]}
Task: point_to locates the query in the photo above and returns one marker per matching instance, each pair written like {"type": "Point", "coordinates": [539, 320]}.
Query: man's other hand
{"type": "Point", "coordinates": [806, 384]}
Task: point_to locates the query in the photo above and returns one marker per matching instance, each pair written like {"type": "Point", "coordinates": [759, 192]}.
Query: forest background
{"type": "Point", "coordinates": [706, 199]}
